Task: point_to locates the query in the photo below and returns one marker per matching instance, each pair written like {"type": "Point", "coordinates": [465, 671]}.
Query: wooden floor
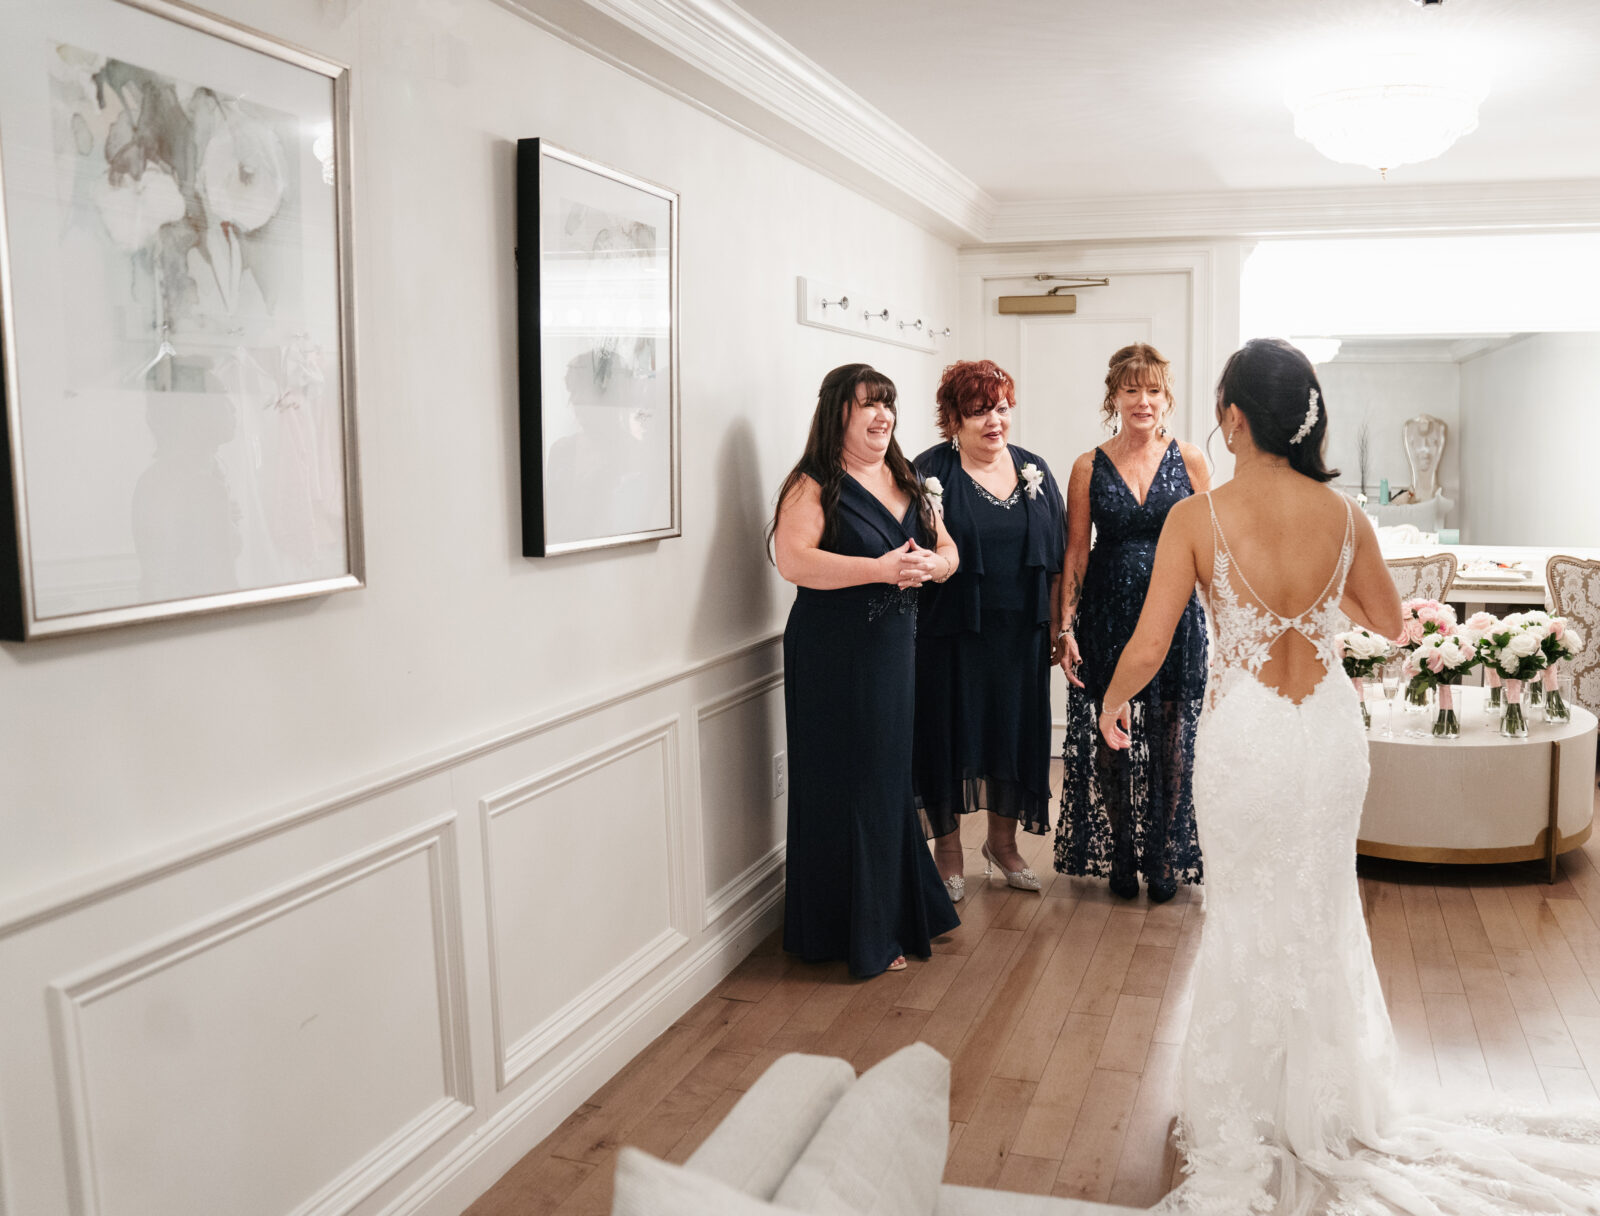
{"type": "Point", "coordinates": [1061, 1015]}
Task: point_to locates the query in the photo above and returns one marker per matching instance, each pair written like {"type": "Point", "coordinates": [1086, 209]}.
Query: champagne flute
{"type": "Point", "coordinates": [1390, 673]}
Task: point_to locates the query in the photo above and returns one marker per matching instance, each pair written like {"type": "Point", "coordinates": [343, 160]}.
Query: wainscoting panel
{"type": "Point", "coordinates": [371, 1003]}
{"type": "Point", "coordinates": [327, 1019]}
{"type": "Point", "coordinates": [743, 822]}
{"type": "Point", "coordinates": [542, 852]}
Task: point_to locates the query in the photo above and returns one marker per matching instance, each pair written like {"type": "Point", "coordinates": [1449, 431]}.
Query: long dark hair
{"type": "Point", "coordinates": [1272, 382]}
{"type": "Point", "coordinates": [823, 460]}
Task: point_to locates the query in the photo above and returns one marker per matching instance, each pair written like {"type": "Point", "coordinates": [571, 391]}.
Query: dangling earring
{"type": "Point", "coordinates": [1163, 431]}
{"type": "Point", "coordinates": [955, 443]}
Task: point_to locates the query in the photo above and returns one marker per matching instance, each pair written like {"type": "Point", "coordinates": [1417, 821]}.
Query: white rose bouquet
{"type": "Point", "coordinates": [1561, 641]}
{"type": "Point", "coordinates": [1362, 653]}
{"type": "Point", "coordinates": [1514, 650]}
{"type": "Point", "coordinates": [1439, 661]}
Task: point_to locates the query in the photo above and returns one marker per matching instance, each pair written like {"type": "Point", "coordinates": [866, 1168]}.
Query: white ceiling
{"type": "Point", "coordinates": [1072, 99]}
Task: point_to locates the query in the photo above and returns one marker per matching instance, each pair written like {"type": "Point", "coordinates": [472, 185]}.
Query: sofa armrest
{"type": "Point", "coordinates": [753, 1148]}
{"type": "Point", "coordinates": [974, 1201]}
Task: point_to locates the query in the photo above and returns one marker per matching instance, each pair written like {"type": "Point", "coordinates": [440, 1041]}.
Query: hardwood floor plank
{"type": "Point", "coordinates": [702, 1127]}
{"type": "Point", "coordinates": [975, 1060]}
{"type": "Point", "coordinates": [985, 1145]}
{"type": "Point", "coordinates": [1430, 942]}
{"type": "Point", "coordinates": [1455, 1044]}
{"type": "Point", "coordinates": [1149, 1152]}
{"type": "Point", "coordinates": [899, 1028]}
{"type": "Point", "coordinates": [966, 995]}
{"type": "Point", "coordinates": [930, 980]}
{"type": "Point", "coordinates": [535, 1186]}
{"type": "Point", "coordinates": [1498, 1030]}
{"type": "Point", "coordinates": [1127, 1043]}
{"type": "Point", "coordinates": [754, 978]}
{"type": "Point", "coordinates": [858, 1019]}
{"type": "Point", "coordinates": [1537, 1012]}
{"type": "Point", "coordinates": [1102, 982]}
{"type": "Point", "coordinates": [1562, 972]}
{"type": "Point", "coordinates": [1148, 970]}
{"type": "Point", "coordinates": [1568, 1085]}
{"type": "Point", "coordinates": [1027, 1175]}
{"type": "Point", "coordinates": [1089, 1166]}
{"type": "Point", "coordinates": [1047, 1124]}
{"type": "Point", "coordinates": [1499, 919]}
{"type": "Point", "coordinates": [1028, 1050]}
{"type": "Point", "coordinates": [1461, 920]}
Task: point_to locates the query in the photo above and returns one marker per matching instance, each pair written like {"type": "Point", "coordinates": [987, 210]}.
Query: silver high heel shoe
{"type": "Point", "coordinates": [956, 884]}
{"type": "Point", "coordinates": [1023, 879]}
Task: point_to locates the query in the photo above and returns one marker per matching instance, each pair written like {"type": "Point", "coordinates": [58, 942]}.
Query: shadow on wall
{"type": "Point", "coordinates": [735, 603]}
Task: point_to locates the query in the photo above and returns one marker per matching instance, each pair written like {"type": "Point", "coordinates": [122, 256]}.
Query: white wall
{"type": "Point", "coordinates": [1383, 395]}
{"type": "Point", "coordinates": [1529, 438]}
{"type": "Point", "coordinates": [354, 899]}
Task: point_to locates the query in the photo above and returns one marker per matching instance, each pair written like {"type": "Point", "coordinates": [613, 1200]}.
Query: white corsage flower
{"type": "Point", "coordinates": [1034, 476]}
{"type": "Point", "coordinates": [934, 489]}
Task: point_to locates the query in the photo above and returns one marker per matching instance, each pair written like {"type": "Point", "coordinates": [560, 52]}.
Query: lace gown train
{"type": "Point", "coordinates": [1288, 1095]}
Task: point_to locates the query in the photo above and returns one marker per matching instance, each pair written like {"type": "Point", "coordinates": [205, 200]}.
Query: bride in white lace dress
{"type": "Point", "coordinates": [1289, 1100]}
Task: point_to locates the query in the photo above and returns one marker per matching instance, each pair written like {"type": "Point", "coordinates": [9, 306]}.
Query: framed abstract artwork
{"type": "Point", "coordinates": [176, 318]}
{"type": "Point", "coordinates": [597, 329]}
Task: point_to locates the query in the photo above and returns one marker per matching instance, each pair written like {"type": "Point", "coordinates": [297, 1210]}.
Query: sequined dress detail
{"type": "Point", "coordinates": [1289, 1098]}
{"type": "Point", "coordinates": [1132, 812]}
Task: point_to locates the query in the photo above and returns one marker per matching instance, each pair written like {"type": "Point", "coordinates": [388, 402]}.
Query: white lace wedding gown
{"type": "Point", "coordinates": [1289, 1097]}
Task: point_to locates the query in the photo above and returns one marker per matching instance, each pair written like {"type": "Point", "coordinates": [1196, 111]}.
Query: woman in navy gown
{"type": "Point", "coordinates": [984, 637]}
{"type": "Point", "coordinates": [855, 532]}
{"type": "Point", "coordinates": [1124, 813]}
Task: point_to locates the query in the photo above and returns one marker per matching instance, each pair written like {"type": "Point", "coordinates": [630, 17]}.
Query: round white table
{"type": "Point", "coordinates": [1480, 798]}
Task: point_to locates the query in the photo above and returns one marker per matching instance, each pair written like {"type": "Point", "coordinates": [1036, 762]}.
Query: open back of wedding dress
{"type": "Point", "coordinates": [1290, 1100]}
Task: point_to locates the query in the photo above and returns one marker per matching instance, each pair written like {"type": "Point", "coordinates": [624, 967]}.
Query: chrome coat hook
{"type": "Point", "coordinates": [868, 314]}
{"type": "Point", "coordinates": [917, 324]}
{"type": "Point", "coordinates": [842, 302]}
{"type": "Point", "coordinates": [939, 333]}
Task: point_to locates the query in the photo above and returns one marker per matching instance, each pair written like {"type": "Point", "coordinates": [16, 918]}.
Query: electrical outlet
{"type": "Point", "coordinates": [780, 774]}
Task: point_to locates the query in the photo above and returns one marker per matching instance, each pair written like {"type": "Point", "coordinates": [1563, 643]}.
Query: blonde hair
{"type": "Point", "coordinates": [1139, 363]}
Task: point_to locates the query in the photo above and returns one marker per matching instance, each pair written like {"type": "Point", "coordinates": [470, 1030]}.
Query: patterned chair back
{"type": "Point", "coordinates": [1423, 578]}
{"type": "Point", "coordinates": [1574, 592]}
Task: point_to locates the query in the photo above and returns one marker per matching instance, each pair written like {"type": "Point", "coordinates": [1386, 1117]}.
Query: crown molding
{"type": "Point", "coordinates": [717, 58]}
{"type": "Point", "coordinates": [1365, 210]}
{"type": "Point", "coordinates": [723, 61]}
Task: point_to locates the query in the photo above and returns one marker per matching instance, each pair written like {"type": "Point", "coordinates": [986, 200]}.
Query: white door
{"type": "Point", "coordinates": [1059, 364]}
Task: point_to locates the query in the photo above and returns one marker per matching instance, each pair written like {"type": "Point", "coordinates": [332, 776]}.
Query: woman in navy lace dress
{"type": "Point", "coordinates": [984, 638]}
{"type": "Point", "coordinates": [1124, 813]}
{"type": "Point", "coordinates": [856, 533]}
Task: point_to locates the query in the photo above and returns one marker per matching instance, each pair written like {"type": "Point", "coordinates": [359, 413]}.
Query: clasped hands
{"type": "Point", "coordinates": [911, 565]}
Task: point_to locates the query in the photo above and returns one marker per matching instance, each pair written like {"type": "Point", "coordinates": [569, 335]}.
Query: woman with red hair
{"type": "Point", "coordinates": [984, 638]}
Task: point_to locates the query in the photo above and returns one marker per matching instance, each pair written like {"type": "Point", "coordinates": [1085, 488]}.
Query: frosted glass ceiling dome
{"type": "Point", "coordinates": [1386, 110]}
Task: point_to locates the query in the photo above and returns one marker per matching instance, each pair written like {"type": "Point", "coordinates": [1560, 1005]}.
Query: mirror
{"type": "Point", "coordinates": [1501, 422]}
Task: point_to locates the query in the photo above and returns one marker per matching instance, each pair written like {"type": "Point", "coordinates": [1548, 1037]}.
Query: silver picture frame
{"type": "Point", "coordinates": [177, 319]}
{"type": "Point", "coordinates": [599, 403]}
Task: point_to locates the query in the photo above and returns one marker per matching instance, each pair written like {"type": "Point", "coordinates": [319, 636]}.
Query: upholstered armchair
{"type": "Point", "coordinates": [1423, 578]}
{"type": "Point", "coordinates": [1573, 587]}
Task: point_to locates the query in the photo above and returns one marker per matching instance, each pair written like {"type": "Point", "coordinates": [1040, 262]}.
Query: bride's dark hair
{"type": "Point", "coordinates": [1272, 382]}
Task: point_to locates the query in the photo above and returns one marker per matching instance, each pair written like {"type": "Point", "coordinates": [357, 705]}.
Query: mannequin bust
{"type": "Point", "coordinates": [1425, 438]}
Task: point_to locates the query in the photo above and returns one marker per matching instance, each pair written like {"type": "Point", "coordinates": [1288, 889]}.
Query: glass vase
{"type": "Point", "coordinates": [1446, 721]}
{"type": "Point", "coordinates": [1533, 694]}
{"type": "Point", "coordinates": [1494, 701]}
{"type": "Point", "coordinates": [1416, 696]}
{"type": "Point", "coordinates": [1361, 699]}
{"type": "Point", "coordinates": [1513, 723]}
{"type": "Point", "coordinates": [1555, 705]}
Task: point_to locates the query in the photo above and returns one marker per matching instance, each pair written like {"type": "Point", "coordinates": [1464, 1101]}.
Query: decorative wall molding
{"type": "Point", "coordinates": [70, 998]}
{"type": "Point", "coordinates": [75, 894]}
{"type": "Point", "coordinates": [1368, 210]}
{"type": "Point", "coordinates": [547, 1101]}
{"type": "Point", "coordinates": [515, 1058]}
{"type": "Point", "coordinates": [720, 902]}
{"type": "Point", "coordinates": [712, 55]}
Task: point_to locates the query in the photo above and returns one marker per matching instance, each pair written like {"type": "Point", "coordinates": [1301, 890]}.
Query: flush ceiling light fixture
{"type": "Point", "coordinates": [1387, 109]}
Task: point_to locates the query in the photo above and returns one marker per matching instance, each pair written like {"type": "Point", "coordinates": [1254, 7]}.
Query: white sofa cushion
{"type": "Point", "coordinates": [756, 1145]}
{"type": "Point", "coordinates": [881, 1150]}
{"type": "Point", "coordinates": [646, 1186]}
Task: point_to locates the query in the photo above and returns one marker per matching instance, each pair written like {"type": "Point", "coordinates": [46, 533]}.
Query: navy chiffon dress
{"type": "Point", "coordinates": [861, 884]}
{"type": "Point", "coordinates": [1129, 812]}
{"type": "Point", "coordinates": [983, 650]}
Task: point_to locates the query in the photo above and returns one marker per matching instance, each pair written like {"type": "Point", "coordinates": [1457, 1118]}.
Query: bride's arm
{"type": "Point", "coordinates": [1172, 582]}
{"type": "Point", "coordinates": [1370, 598]}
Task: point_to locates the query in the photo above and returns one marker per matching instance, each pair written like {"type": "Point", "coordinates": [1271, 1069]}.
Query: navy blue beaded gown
{"type": "Point", "coordinates": [1131, 812]}
{"type": "Point", "coordinates": [861, 885]}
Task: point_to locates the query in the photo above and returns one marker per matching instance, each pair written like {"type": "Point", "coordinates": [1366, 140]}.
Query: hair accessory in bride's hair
{"type": "Point", "coordinates": [1311, 421]}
